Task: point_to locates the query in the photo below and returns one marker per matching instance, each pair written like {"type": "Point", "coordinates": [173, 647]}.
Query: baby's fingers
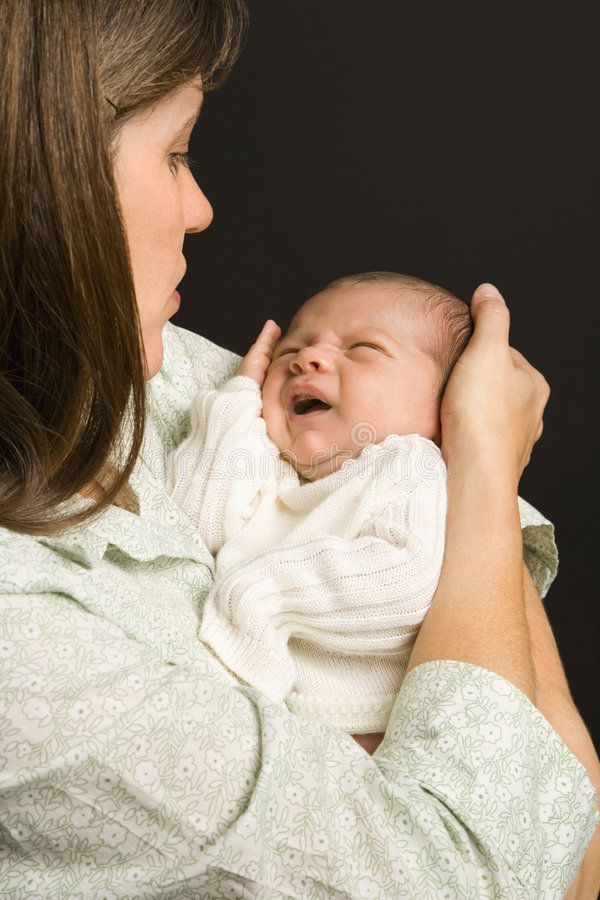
{"type": "Point", "coordinates": [257, 360]}
{"type": "Point", "coordinates": [266, 340]}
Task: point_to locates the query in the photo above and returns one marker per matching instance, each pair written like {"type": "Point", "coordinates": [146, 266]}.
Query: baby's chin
{"type": "Point", "coordinates": [318, 464]}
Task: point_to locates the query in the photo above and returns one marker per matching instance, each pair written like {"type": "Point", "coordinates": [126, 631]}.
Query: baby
{"type": "Point", "coordinates": [327, 513]}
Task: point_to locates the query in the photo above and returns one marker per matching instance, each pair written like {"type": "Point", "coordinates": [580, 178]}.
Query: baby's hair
{"type": "Point", "coordinates": [444, 343]}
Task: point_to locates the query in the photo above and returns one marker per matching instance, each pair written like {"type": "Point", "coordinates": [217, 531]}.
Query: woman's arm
{"type": "Point", "coordinates": [485, 610]}
{"type": "Point", "coordinates": [124, 772]}
{"type": "Point", "coordinates": [554, 701]}
{"type": "Point", "coordinates": [478, 612]}
{"type": "Point", "coordinates": [552, 691]}
{"type": "Point", "coordinates": [491, 416]}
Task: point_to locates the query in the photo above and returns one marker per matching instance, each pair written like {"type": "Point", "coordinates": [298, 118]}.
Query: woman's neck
{"type": "Point", "coordinates": [125, 499]}
{"type": "Point", "coordinates": [92, 491]}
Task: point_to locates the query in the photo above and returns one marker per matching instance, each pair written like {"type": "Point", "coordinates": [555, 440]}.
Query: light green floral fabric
{"type": "Point", "coordinates": [133, 765]}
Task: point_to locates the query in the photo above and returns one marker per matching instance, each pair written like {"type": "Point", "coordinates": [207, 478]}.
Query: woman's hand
{"type": "Point", "coordinates": [493, 404]}
{"type": "Point", "coordinates": [258, 358]}
{"type": "Point", "coordinates": [491, 417]}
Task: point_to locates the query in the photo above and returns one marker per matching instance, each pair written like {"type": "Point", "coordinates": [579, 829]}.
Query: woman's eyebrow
{"type": "Point", "coordinates": [187, 126]}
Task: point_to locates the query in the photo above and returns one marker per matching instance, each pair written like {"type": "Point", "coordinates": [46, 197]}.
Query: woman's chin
{"type": "Point", "coordinates": [154, 356]}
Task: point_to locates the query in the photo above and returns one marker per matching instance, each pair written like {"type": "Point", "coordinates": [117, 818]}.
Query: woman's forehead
{"type": "Point", "coordinates": [173, 114]}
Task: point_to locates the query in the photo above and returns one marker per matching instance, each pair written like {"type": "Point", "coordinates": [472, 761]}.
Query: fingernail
{"type": "Point", "coordinates": [489, 290]}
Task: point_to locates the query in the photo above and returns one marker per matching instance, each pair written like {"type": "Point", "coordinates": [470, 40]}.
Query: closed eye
{"type": "Point", "coordinates": [365, 344]}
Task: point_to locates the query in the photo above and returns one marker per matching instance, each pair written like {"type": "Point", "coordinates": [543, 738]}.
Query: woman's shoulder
{"type": "Point", "coordinates": [191, 363]}
{"type": "Point", "coordinates": [31, 564]}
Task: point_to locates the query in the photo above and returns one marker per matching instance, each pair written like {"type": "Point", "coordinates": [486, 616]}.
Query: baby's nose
{"type": "Point", "coordinates": [311, 359]}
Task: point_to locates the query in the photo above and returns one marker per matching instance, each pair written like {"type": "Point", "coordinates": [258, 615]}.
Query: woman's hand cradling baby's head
{"type": "Point", "coordinates": [492, 408]}
{"type": "Point", "coordinates": [258, 358]}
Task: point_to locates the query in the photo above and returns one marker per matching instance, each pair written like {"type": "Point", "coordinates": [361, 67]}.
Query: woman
{"type": "Point", "coordinates": [132, 763]}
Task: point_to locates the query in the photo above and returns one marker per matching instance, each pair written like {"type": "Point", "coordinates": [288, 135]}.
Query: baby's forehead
{"type": "Point", "coordinates": [355, 307]}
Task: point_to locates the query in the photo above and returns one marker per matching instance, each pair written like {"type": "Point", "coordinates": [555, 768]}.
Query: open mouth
{"type": "Point", "coordinates": [302, 406]}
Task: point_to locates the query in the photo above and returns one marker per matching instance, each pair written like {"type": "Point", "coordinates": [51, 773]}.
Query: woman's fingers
{"type": "Point", "coordinates": [542, 387]}
{"type": "Point", "coordinates": [519, 360]}
{"type": "Point", "coordinates": [490, 314]}
{"type": "Point", "coordinates": [522, 363]}
{"type": "Point", "coordinates": [494, 401]}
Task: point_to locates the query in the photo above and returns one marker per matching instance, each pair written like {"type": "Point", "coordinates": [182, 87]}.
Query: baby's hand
{"type": "Point", "coordinates": [258, 358]}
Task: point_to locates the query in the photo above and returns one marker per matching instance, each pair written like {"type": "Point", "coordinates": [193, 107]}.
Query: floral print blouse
{"type": "Point", "coordinates": [133, 764]}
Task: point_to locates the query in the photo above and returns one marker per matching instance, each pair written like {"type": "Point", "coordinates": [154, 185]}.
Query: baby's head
{"type": "Point", "coordinates": [366, 357]}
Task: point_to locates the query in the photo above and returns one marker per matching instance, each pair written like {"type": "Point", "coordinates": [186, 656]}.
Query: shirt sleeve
{"type": "Point", "coordinates": [539, 547]}
{"type": "Point", "coordinates": [215, 473]}
{"type": "Point", "coordinates": [363, 597]}
{"type": "Point", "coordinates": [123, 775]}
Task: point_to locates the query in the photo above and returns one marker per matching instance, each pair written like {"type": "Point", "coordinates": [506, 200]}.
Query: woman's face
{"type": "Point", "coordinates": [160, 202]}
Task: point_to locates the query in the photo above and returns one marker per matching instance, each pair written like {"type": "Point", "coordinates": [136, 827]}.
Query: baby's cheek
{"type": "Point", "coordinates": [272, 413]}
{"type": "Point", "coordinates": [267, 409]}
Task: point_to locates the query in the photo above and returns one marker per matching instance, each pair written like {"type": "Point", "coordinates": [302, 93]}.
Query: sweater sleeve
{"type": "Point", "coordinates": [365, 596]}
{"type": "Point", "coordinates": [214, 474]}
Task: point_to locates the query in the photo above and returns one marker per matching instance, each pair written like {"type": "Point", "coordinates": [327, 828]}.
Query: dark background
{"type": "Point", "coordinates": [456, 141]}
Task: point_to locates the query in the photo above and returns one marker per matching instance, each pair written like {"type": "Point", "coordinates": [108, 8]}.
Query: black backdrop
{"type": "Point", "coordinates": [450, 140]}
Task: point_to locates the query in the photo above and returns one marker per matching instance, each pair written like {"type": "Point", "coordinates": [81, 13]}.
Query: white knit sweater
{"type": "Point", "coordinates": [320, 586]}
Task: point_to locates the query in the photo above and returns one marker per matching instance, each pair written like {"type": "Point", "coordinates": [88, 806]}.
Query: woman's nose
{"type": "Point", "coordinates": [197, 211]}
{"type": "Point", "coordinates": [311, 359]}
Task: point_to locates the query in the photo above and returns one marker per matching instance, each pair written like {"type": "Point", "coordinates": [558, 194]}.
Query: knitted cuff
{"type": "Point", "coordinates": [365, 716]}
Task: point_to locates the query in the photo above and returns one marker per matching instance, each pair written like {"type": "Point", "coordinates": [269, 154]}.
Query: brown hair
{"type": "Point", "coordinates": [444, 343]}
{"type": "Point", "coordinates": [72, 389]}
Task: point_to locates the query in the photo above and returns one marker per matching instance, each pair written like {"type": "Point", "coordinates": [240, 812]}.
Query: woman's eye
{"type": "Point", "coordinates": [179, 159]}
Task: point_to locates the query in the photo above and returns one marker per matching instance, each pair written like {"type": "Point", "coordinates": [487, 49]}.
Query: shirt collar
{"type": "Point", "coordinates": [160, 529]}
{"type": "Point", "coordinates": [141, 537]}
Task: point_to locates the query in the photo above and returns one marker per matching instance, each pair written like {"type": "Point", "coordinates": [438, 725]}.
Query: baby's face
{"type": "Point", "coordinates": [349, 372]}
